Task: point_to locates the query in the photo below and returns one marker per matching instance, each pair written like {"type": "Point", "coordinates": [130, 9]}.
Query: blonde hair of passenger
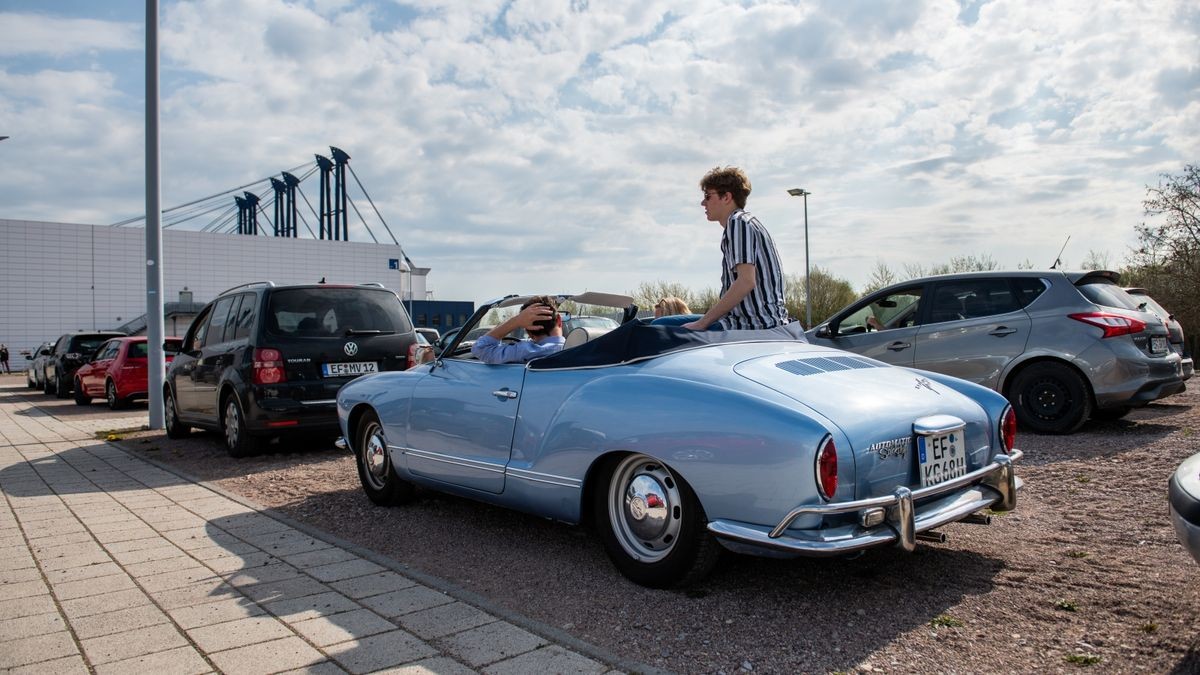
{"type": "Point", "coordinates": [670, 306]}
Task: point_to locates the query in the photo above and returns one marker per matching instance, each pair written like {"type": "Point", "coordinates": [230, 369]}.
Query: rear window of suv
{"type": "Point", "coordinates": [1107, 294]}
{"type": "Point", "coordinates": [322, 312]}
{"type": "Point", "coordinates": [86, 344]}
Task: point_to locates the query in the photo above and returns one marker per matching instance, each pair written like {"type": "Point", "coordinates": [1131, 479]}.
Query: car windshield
{"type": "Point", "coordinates": [321, 312]}
{"type": "Point", "coordinates": [591, 322]}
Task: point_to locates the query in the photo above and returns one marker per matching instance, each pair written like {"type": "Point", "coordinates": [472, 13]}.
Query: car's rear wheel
{"type": "Point", "coordinates": [175, 428]}
{"type": "Point", "coordinates": [1111, 413]}
{"type": "Point", "coordinates": [29, 381]}
{"type": "Point", "coordinates": [115, 402]}
{"type": "Point", "coordinates": [375, 469]}
{"type": "Point", "coordinates": [238, 441]}
{"type": "Point", "coordinates": [652, 525]}
{"type": "Point", "coordinates": [1051, 398]}
{"type": "Point", "coordinates": [81, 398]}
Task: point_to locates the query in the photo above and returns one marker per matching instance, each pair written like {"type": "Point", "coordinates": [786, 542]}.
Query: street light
{"type": "Point", "coordinates": [801, 192]}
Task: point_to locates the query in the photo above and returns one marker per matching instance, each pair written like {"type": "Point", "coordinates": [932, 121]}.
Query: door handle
{"type": "Point", "coordinates": [1001, 331]}
{"type": "Point", "coordinates": [899, 346]}
{"type": "Point", "coordinates": [504, 393]}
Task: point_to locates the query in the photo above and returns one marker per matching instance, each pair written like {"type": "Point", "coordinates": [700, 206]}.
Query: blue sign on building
{"type": "Point", "coordinates": [393, 263]}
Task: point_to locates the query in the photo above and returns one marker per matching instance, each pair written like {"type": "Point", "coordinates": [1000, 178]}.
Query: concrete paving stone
{"type": "Point", "coordinates": [327, 630]}
{"type": "Point", "coordinates": [270, 572]}
{"type": "Point", "coordinates": [224, 550]}
{"type": "Point", "coordinates": [227, 609]}
{"type": "Point", "coordinates": [250, 522]}
{"type": "Point", "coordinates": [228, 565]}
{"type": "Point", "coordinates": [406, 601]}
{"type": "Point", "coordinates": [310, 607]}
{"type": "Point", "coordinates": [180, 661]}
{"type": "Point", "coordinates": [16, 576]}
{"type": "Point", "coordinates": [490, 643]}
{"type": "Point", "coordinates": [267, 657]}
{"type": "Point", "coordinates": [97, 604]}
{"type": "Point", "coordinates": [193, 538]}
{"type": "Point", "coordinates": [50, 549]}
{"type": "Point", "coordinates": [214, 507]}
{"type": "Point", "coordinates": [80, 537]}
{"type": "Point", "coordinates": [42, 515]}
{"type": "Point", "coordinates": [22, 589]}
{"type": "Point", "coordinates": [161, 552]}
{"type": "Point", "coordinates": [137, 642]}
{"type": "Point", "coordinates": [178, 524]}
{"type": "Point", "coordinates": [379, 651]}
{"type": "Point", "coordinates": [296, 587]}
{"type": "Point", "coordinates": [326, 556]}
{"type": "Point", "coordinates": [344, 570]}
{"type": "Point", "coordinates": [152, 541]}
{"type": "Point", "coordinates": [439, 665]}
{"type": "Point", "coordinates": [152, 567]}
{"type": "Point", "coordinates": [444, 620]}
{"type": "Point", "coordinates": [323, 668]}
{"type": "Point", "coordinates": [39, 535]}
{"type": "Point", "coordinates": [238, 633]}
{"type": "Point", "coordinates": [103, 569]}
{"type": "Point", "coordinates": [551, 659]}
{"type": "Point", "coordinates": [16, 558]}
{"type": "Point", "coordinates": [125, 523]}
{"type": "Point", "coordinates": [117, 621]}
{"type": "Point", "coordinates": [28, 650]}
{"type": "Point", "coordinates": [372, 584]}
{"type": "Point", "coordinates": [67, 665]}
{"type": "Point", "coordinates": [29, 626]}
{"type": "Point", "coordinates": [293, 545]}
{"type": "Point", "coordinates": [188, 575]}
{"type": "Point", "coordinates": [19, 607]}
{"type": "Point", "coordinates": [115, 536]}
{"type": "Point", "coordinates": [77, 560]}
{"type": "Point", "coordinates": [197, 594]}
{"type": "Point", "coordinates": [69, 590]}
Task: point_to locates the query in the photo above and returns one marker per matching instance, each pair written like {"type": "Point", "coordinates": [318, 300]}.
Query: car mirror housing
{"type": "Point", "coordinates": [825, 331]}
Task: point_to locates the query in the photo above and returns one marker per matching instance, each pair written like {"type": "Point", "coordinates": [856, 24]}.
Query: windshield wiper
{"type": "Point", "coordinates": [357, 331]}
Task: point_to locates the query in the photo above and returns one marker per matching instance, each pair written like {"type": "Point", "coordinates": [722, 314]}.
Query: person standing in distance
{"type": "Point", "coordinates": [751, 276]}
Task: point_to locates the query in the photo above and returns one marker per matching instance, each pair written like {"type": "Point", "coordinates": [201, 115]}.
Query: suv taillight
{"type": "Point", "coordinates": [268, 367]}
{"type": "Point", "coordinates": [1112, 324]}
{"type": "Point", "coordinates": [1008, 429]}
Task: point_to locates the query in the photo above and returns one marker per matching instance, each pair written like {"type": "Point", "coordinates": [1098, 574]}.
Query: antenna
{"type": "Point", "coordinates": [1058, 258]}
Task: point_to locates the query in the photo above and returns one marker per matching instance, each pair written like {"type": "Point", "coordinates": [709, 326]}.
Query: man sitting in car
{"type": "Point", "coordinates": [539, 317]}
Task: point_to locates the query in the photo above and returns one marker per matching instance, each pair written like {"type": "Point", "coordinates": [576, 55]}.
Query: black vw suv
{"type": "Point", "coordinates": [263, 360]}
{"type": "Point", "coordinates": [70, 352]}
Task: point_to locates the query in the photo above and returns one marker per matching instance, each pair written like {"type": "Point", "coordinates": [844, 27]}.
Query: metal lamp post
{"type": "Point", "coordinates": [801, 192]}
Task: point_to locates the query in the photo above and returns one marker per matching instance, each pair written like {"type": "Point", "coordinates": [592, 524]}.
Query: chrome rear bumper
{"type": "Point", "coordinates": [883, 520]}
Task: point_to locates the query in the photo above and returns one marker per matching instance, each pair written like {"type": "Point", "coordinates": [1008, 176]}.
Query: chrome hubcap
{"type": "Point", "coordinates": [645, 508]}
{"type": "Point", "coordinates": [374, 455]}
{"type": "Point", "coordinates": [112, 393]}
{"type": "Point", "coordinates": [232, 423]}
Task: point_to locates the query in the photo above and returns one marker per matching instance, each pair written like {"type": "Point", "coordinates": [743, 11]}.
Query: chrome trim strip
{"type": "Point", "coordinates": [538, 477]}
{"type": "Point", "coordinates": [450, 459]}
{"type": "Point", "coordinates": [324, 401]}
{"type": "Point", "coordinates": [998, 475]}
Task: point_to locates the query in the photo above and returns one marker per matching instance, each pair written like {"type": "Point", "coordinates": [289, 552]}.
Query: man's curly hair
{"type": "Point", "coordinates": [545, 325]}
{"type": "Point", "coordinates": [728, 179]}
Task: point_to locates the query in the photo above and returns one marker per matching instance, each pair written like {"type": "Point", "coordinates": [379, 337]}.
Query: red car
{"type": "Point", "coordinates": [117, 371]}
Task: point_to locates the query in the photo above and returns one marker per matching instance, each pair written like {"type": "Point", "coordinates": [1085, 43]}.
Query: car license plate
{"type": "Point", "coordinates": [941, 457]}
{"type": "Point", "coordinates": [1158, 344]}
{"type": "Point", "coordinates": [349, 369]}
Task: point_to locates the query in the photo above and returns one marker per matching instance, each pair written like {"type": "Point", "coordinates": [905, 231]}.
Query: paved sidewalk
{"type": "Point", "coordinates": [109, 564]}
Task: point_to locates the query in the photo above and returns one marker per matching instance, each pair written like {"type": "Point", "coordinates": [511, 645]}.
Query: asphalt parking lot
{"type": "Point", "coordinates": [1085, 574]}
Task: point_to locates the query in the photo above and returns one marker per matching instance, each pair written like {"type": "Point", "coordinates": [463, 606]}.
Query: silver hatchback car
{"type": "Point", "coordinates": [1061, 346]}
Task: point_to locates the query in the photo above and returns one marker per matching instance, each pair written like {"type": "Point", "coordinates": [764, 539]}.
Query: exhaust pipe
{"type": "Point", "coordinates": [936, 537]}
{"type": "Point", "coordinates": [977, 519]}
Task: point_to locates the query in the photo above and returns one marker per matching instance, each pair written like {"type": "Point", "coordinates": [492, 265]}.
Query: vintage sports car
{"type": "Point", "coordinates": [676, 443]}
{"type": "Point", "coordinates": [1183, 497]}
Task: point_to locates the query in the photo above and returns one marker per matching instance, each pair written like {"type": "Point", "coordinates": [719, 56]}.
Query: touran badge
{"type": "Point", "coordinates": [350, 348]}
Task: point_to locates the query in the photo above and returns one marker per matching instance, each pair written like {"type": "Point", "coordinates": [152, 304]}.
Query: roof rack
{"type": "Point", "coordinates": [270, 284]}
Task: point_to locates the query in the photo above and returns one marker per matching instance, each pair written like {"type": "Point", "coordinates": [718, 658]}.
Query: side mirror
{"type": "Point", "coordinates": [171, 347]}
{"type": "Point", "coordinates": [825, 332]}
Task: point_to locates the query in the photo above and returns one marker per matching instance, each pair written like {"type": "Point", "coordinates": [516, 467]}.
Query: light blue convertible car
{"type": "Point", "coordinates": [679, 443]}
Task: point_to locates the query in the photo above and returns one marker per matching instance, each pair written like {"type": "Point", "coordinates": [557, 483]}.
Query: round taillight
{"type": "Point", "coordinates": [827, 471]}
{"type": "Point", "coordinates": [1008, 429]}
{"type": "Point", "coordinates": [268, 355]}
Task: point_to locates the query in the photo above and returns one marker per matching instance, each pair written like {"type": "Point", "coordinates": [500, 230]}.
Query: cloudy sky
{"type": "Point", "coordinates": [528, 145]}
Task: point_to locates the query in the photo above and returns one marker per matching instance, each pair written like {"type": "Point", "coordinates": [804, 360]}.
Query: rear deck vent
{"type": "Point", "coordinates": [824, 364]}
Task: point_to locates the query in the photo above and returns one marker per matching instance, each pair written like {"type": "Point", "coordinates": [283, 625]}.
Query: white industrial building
{"type": "Point", "coordinates": [66, 277]}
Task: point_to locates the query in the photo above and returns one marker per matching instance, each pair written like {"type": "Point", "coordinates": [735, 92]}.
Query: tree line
{"type": "Point", "coordinates": [1166, 262]}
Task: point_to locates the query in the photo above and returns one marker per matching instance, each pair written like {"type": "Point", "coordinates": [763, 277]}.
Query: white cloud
{"type": "Point", "coordinates": [27, 34]}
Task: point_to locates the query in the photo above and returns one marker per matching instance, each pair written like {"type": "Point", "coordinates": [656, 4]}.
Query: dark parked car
{"type": "Point", "coordinates": [70, 352]}
{"type": "Point", "coordinates": [1174, 328]}
{"type": "Point", "coordinates": [36, 374]}
{"type": "Point", "coordinates": [262, 360]}
{"type": "Point", "coordinates": [1061, 346]}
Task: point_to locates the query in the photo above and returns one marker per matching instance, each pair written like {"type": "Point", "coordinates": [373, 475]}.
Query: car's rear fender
{"type": "Point", "coordinates": [718, 439]}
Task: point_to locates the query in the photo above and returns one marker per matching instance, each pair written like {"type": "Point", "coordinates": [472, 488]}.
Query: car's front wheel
{"type": "Point", "coordinates": [47, 385]}
{"type": "Point", "coordinates": [175, 428]}
{"type": "Point", "coordinates": [375, 469]}
{"type": "Point", "coordinates": [1051, 398]}
{"type": "Point", "coordinates": [29, 381]}
{"type": "Point", "coordinates": [61, 390]}
{"type": "Point", "coordinates": [238, 441]}
{"type": "Point", "coordinates": [652, 524]}
{"type": "Point", "coordinates": [81, 397]}
{"type": "Point", "coordinates": [115, 402]}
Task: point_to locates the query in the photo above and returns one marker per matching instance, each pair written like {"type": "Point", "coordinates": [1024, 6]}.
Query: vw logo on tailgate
{"type": "Point", "coordinates": [350, 348]}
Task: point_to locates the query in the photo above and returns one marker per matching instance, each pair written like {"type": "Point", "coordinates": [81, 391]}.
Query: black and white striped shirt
{"type": "Point", "coordinates": [747, 241]}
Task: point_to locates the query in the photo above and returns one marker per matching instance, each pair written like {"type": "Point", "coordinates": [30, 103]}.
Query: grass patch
{"type": "Point", "coordinates": [118, 434]}
{"type": "Point", "coordinates": [945, 621]}
{"type": "Point", "coordinates": [1148, 627]}
{"type": "Point", "coordinates": [1067, 605]}
{"type": "Point", "coordinates": [1083, 479]}
{"type": "Point", "coordinates": [1082, 659]}
{"type": "Point", "coordinates": [1077, 554]}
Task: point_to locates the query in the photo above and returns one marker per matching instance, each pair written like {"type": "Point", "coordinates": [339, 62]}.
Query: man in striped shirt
{"type": "Point", "coordinates": [751, 277]}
